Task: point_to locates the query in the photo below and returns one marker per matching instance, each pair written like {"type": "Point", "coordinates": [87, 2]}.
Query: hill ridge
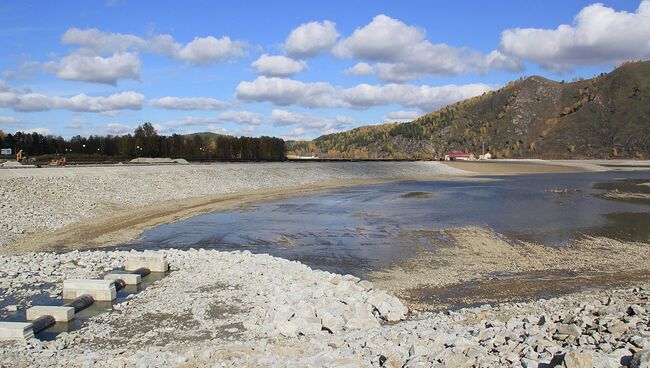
{"type": "Point", "coordinates": [607, 116]}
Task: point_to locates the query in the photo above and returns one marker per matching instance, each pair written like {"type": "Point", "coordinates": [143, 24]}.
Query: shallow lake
{"type": "Point", "coordinates": [362, 228]}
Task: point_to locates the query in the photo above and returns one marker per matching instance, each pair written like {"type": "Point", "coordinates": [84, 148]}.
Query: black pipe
{"type": "Point", "coordinates": [81, 302]}
{"type": "Point", "coordinates": [119, 284]}
{"type": "Point", "coordinates": [142, 271]}
{"type": "Point", "coordinates": [43, 322]}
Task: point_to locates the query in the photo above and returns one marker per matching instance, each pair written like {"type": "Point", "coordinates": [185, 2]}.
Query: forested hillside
{"type": "Point", "coordinates": [604, 117]}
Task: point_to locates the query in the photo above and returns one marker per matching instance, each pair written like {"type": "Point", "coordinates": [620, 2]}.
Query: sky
{"type": "Point", "coordinates": [291, 69]}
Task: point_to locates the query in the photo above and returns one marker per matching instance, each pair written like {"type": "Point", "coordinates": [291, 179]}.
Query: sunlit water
{"type": "Point", "coordinates": [357, 229]}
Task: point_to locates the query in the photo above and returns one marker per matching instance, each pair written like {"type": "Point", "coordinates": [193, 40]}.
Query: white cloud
{"type": "Point", "coordinates": [310, 123]}
{"type": "Point", "coordinates": [207, 50]}
{"type": "Point", "coordinates": [403, 53]}
{"type": "Point", "coordinates": [10, 121]}
{"type": "Point", "coordinates": [278, 66]}
{"type": "Point", "coordinates": [102, 42]}
{"type": "Point", "coordinates": [241, 117]}
{"type": "Point", "coordinates": [309, 39]}
{"type": "Point", "coordinates": [192, 121]}
{"type": "Point", "coordinates": [425, 97]}
{"type": "Point", "coordinates": [599, 35]}
{"type": "Point", "coordinates": [81, 103]}
{"type": "Point", "coordinates": [82, 66]}
{"type": "Point", "coordinates": [106, 57]}
{"type": "Point", "coordinates": [117, 129]}
{"type": "Point", "coordinates": [401, 116]}
{"type": "Point", "coordinates": [360, 69]}
{"type": "Point", "coordinates": [41, 131]}
{"type": "Point", "coordinates": [188, 103]}
{"type": "Point", "coordinates": [282, 91]}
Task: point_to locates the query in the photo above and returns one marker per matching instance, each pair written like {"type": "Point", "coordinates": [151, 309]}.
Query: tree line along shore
{"type": "Point", "coordinates": [144, 142]}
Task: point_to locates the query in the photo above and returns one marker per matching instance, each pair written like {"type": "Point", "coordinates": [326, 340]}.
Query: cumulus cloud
{"type": "Point", "coordinates": [80, 103]}
{"type": "Point", "coordinates": [424, 97]}
{"type": "Point", "coordinates": [207, 50]}
{"type": "Point", "coordinates": [278, 66]}
{"type": "Point", "coordinates": [241, 117]}
{"type": "Point", "coordinates": [310, 123]}
{"type": "Point", "coordinates": [6, 121]}
{"type": "Point", "coordinates": [188, 103]}
{"type": "Point", "coordinates": [106, 57]}
{"type": "Point", "coordinates": [401, 116]}
{"type": "Point", "coordinates": [283, 92]}
{"type": "Point", "coordinates": [82, 66]}
{"type": "Point", "coordinates": [360, 69]}
{"type": "Point", "coordinates": [102, 42]}
{"type": "Point", "coordinates": [192, 121]}
{"type": "Point", "coordinates": [117, 129]}
{"type": "Point", "coordinates": [599, 35]}
{"type": "Point", "coordinates": [41, 131]}
{"type": "Point", "coordinates": [309, 39]}
{"type": "Point", "coordinates": [402, 53]}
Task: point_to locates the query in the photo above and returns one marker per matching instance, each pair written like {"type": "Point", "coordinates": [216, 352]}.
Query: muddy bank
{"type": "Point", "coordinates": [475, 265]}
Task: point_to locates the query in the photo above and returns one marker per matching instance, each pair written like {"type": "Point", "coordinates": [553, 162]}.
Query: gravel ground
{"type": "Point", "coordinates": [33, 200]}
{"type": "Point", "coordinates": [239, 309]}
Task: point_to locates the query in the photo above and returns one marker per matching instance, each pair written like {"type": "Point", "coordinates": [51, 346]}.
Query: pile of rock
{"type": "Point", "coordinates": [238, 308]}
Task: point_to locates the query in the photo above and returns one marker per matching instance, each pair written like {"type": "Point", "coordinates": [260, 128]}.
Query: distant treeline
{"type": "Point", "coordinates": [145, 142]}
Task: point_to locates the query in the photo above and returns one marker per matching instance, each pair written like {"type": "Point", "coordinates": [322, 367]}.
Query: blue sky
{"type": "Point", "coordinates": [293, 69]}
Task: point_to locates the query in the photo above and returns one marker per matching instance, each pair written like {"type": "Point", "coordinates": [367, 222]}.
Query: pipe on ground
{"type": "Point", "coordinates": [43, 322]}
{"type": "Point", "coordinates": [81, 302]}
{"type": "Point", "coordinates": [119, 284]}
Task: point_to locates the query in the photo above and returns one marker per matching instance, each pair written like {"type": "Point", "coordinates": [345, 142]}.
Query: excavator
{"type": "Point", "coordinates": [24, 159]}
{"type": "Point", "coordinates": [58, 161]}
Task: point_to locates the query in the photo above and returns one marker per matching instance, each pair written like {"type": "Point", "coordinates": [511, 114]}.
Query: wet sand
{"type": "Point", "coordinates": [476, 265]}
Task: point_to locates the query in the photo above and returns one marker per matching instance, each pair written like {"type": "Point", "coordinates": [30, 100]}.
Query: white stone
{"type": "Point", "coordinates": [15, 331]}
{"type": "Point", "coordinates": [100, 290]}
{"type": "Point", "coordinates": [128, 278]}
{"type": "Point", "coordinates": [154, 262]}
{"type": "Point", "coordinates": [60, 314]}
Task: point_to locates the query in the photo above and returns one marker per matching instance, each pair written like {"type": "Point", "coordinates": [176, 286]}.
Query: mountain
{"type": "Point", "coordinates": [604, 117]}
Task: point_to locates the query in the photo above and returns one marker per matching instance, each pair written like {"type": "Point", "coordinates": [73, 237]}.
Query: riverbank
{"type": "Point", "coordinates": [67, 208]}
{"type": "Point", "coordinates": [475, 265]}
{"type": "Point", "coordinates": [94, 206]}
{"type": "Point", "coordinates": [241, 309]}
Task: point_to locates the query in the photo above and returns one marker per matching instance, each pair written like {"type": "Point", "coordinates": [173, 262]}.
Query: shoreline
{"type": "Point", "coordinates": [106, 231]}
{"type": "Point", "coordinates": [97, 222]}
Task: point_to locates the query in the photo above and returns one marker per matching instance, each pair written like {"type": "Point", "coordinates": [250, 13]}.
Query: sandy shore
{"type": "Point", "coordinates": [81, 207]}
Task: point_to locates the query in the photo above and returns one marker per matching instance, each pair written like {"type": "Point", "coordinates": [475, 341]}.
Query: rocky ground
{"type": "Point", "coordinates": [239, 309]}
{"type": "Point", "coordinates": [36, 200]}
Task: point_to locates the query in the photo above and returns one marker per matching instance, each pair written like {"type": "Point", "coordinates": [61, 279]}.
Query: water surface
{"type": "Point", "coordinates": [363, 228]}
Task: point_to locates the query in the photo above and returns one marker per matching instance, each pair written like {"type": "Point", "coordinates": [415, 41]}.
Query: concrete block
{"type": "Point", "coordinates": [16, 331]}
{"type": "Point", "coordinates": [128, 278]}
{"type": "Point", "coordinates": [60, 314]}
{"type": "Point", "coordinates": [100, 290]}
{"type": "Point", "coordinates": [154, 262]}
